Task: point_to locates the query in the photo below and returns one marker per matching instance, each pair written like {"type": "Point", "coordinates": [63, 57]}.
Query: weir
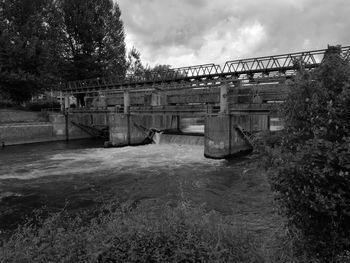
{"type": "Point", "coordinates": [239, 98]}
{"type": "Point", "coordinates": [178, 139]}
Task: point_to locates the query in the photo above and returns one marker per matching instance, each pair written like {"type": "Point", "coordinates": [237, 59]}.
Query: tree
{"type": "Point", "coordinates": [134, 65]}
{"type": "Point", "coordinates": [311, 167]}
{"type": "Point", "coordinates": [161, 68]}
{"type": "Point", "coordinates": [29, 47]}
{"type": "Point", "coordinates": [52, 41]}
{"type": "Point", "coordinates": [95, 38]}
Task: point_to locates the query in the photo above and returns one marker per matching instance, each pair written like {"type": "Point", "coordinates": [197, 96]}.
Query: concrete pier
{"type": "Point", "coordinates": [223, 138]}
{"type": "Point", "coordinates": [224, 99]}
{"type": "Point", "coordinates": [127, 129]}
{"type": "Point", "coordinates": [126, 102]}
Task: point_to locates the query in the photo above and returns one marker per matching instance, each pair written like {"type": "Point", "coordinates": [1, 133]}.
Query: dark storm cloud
{"type": "Point", "coordinates": [185, 32]}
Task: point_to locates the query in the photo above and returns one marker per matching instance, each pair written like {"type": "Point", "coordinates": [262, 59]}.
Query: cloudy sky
{"type": "Point", "coordinates": [190, 32]}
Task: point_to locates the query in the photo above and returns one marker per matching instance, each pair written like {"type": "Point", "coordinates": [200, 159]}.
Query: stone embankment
{"type": "Point", "coordinates": [21, 127]}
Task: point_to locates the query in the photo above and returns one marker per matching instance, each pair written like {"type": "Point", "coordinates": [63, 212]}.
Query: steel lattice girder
{"type": "Point", "coordinates": [279, 63]}
{"type": "Point", "coordinates": [285, 64]}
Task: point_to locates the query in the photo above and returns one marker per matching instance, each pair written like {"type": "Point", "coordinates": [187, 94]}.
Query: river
{"type": "Point", "coordinates": [82, 175]}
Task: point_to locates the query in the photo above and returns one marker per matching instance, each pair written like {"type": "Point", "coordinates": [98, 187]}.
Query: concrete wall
{"type": "Point", "coordinates": [54, 130]}
{"type": "Point", "coordinates": [58, 122]}
{"type": "Point", "coordinates": [17, 116]}
{"type": "Point", "coordinates": [252, 122]}
{"type": "Point", "coordinates": [222, 139]}
{"type": "Point", "coordinates": [133, 129]}
{"type": "Point", "coordinates": [119, 130]}
{"type": "Point", "coordinates": [26, 133]}
{"type": "Point", "coordinates": [93, 118]}
{"type": "Point", "coordinates": [33, 131]}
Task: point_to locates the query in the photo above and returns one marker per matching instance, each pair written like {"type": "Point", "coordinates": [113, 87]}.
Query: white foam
{"type": "Point", "coordinates": [112, 160]}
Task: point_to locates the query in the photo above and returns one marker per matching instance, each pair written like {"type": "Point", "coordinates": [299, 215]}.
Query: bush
{"type": "Point", "coordinates": [38, 106]}
{"type": "Point", "coordinates": [116, 234]}
{"type": "Point", "coordinates": [6, 104]}
{"type": "Point", "coordinates": [311, 164]}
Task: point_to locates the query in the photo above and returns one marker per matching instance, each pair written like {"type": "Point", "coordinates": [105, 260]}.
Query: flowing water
{"type": "Point", "coordinates": [80, 174]}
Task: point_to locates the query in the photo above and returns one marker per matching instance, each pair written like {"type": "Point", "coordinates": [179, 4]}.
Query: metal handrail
{"type": "Point", "coordinates": [285, 64]}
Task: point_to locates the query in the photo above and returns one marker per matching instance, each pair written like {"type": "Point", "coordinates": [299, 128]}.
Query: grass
{"type": "Point", "coordinates": [154, 230]}
{"type": "Point", "coordinates": [120, 234]}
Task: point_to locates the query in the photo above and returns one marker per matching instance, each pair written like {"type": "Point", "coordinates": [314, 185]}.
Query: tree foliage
{"type": "Point", "coordinates": [95, 38]}
{"type": "Point", "coordinates": [29, 46]}
{"type": "Point", "coordinates": [48, 41]}
{"type": "Point", "coordinates": [312, 163]}
{"type": "Point", "coordinates": [134, 64]}
{"type": "Point", "coordinates": [138, 70]}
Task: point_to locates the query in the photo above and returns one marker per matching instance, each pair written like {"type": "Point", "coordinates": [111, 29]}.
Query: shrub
{"type": "Point", "coordinates": [311, 165]}
{"type": "Point", "coordinates": [116, 234]}
{"type": "Point", "coordinates": [38, 106]}
{"type": "Point", "coordinates": [6, 104]}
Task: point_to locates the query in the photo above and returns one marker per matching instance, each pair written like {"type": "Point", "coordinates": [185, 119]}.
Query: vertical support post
{"type": "Point", "coordinates": [178, 123]}
{"type": "Point", "coordinates": [128, 135]}
{"type": "Point", "coordinates": [66, 102]}
{"type": "Point", "coordinates": [224, 99]}
{"type": "Point", "coordinates": [127, 113]}
{"type": "Point", "coordinates": [61, 101]}
{"type": "Point", "coordinates": [236, 91]}
{"type": "Point", "coordinates": [159, 99]}
{"type": "Point", "coordinates": [155, 99]}
{"type": "Point", "coordinates": [163, 98]}
{"type": "Point", "coordinates": [66, 115]}
{"type": "Point", "coordinates": [77, 101]}
{"type": "Point", "coordinates": [126, 102]}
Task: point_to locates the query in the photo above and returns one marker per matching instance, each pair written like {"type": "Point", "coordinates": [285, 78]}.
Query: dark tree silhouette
{"type": "Point", "coordinates": [95, 38]}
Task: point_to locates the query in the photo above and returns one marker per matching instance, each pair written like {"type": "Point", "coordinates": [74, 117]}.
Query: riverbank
{"type": "Point", "coordinates": [153, 178]}
{"type": "Point", "coordinates": [23, 127]}
{"type": "Point", "coordinates": [146, 233]}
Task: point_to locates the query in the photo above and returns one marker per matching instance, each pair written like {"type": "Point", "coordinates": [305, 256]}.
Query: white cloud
{"type": "Point", "coordinates": [187, 32]}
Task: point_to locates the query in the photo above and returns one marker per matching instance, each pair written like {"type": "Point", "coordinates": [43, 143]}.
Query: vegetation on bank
{"type": "Point", "coordinates": [246, 229]}
{"type": "Point", "coordinates": [309, 161]}
{"type": "Point", "coordinates": [120, 234]}
{"type": "Point", "coordinates": [48, 41]}
{"type": "Point", "coordinates": [45, 43]}
{"type": "Point", "coordinates": [31, 106]}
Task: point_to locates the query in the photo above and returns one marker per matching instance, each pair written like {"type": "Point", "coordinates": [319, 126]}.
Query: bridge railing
{"type": "Point", "coordinates": [182, 73]}
{"type": "Point", "coordinates": [285, 64]}
{"type": "Point", "coordinates": [148, 76]}
{"type": "Point", "coordinates": [280, 63]}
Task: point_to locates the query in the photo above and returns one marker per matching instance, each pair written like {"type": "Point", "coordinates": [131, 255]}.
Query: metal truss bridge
{"type": "Point", "coordinates": [253, 69]}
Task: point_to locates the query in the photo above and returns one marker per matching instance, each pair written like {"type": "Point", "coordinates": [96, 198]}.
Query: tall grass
{"type": "Point", "coordinates": [120, 234]}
